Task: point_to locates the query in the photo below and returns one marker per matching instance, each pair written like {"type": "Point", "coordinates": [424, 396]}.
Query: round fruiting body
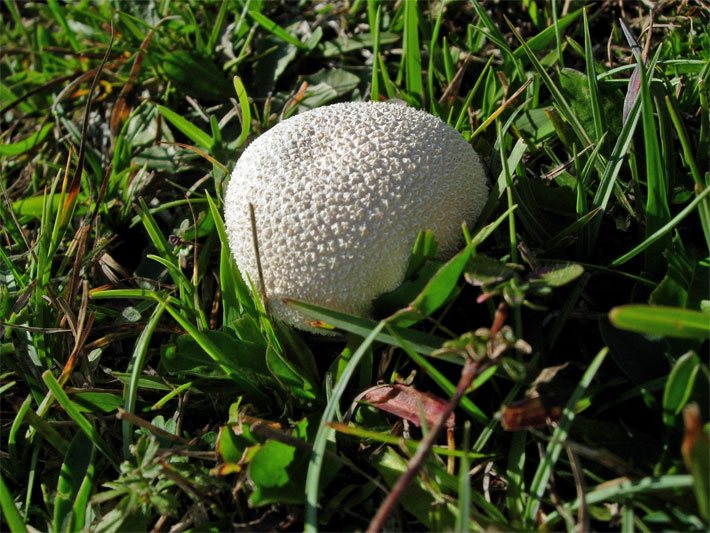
{"type": "Point", "coordinates": [340, 194]}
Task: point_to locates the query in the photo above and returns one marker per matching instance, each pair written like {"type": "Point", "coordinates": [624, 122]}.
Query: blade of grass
{"type": "Point", "coordinates": [499, 185]}
{"type": "Point", "coordinates": [663, 231]}
{"type": "Point", "coordinates": [552, 453]}
{"type": "Point", "coordinates": [564, 106]}
{"type": "Point", "coordinates": [463, 517]}
{"type": "Point", "coordinates": [77, 469]}
{"type": "Point", "coordinates": [325, 432]}
{"type": "Point", "coordinates": [46, 431]}
{"type": "Point", "coordinates": [413, 59]}
{"type": "Point", "coordinates": [469, 97]}
{"type": "Point", "coordinates": [217, 27]}
{"type": "Point", "coordinates": [67, 32]}
{"type": "Point", "coordinates": [662, 320]}
{"type": "Point", "coordinates": [612, 169]}
{"type": "Point", "coordinates": [626, 488]}
{"type": "Point", "coordinates": [514, 502]}
{"type": "Point", "coordinates": [26, 144]}
{"type": "Point", "coordinates": [191, 131]}
{"type": "Point", "coordinates": [9, 509]}
{"type": "Point", "coordinates": [375, 31]}
{"type": "Point", "coordinates": [236, 298]}
{"type": "Point", "coordinates": [137, 363]}
{"type": "Point", "coordinates": [657, 208]}
{"type": "Point", "coordinates": [215, 353]}
{"type": "Point", "coordinates": [244, 108]}
{"type": "Point", "coordinates": [558, 34]}
{"type": "Point", "coordinates": [689, 159]}
{"type": "Point", "coordinates": [387, 438]}
{"type": "Point", "coordinates": [432, 53]}
{"type": "Point", "coordinates": [273, 28]}
{"type": "Point", "coordinates": [423, 343]}
{"type": "Point", "coordinates": [592, 80]}
{"type": "Point", "coordinates": [75, 414]}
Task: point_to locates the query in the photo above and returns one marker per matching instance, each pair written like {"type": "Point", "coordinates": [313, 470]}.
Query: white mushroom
{"type": "Point", "coordinates": [340, 194]}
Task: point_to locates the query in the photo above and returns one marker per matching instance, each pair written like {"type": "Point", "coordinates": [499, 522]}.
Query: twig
{"type": "Point", "coordinates": [470, 370]}
{"type": "Point", "coordinates": [155, 430]}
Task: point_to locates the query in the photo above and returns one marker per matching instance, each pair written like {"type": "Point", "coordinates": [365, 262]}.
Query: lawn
{"type": "Point", "coordinates": [146, 386]}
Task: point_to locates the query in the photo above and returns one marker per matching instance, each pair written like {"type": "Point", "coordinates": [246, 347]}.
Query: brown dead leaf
{"type": "Point", "coordinates": [407, 403]}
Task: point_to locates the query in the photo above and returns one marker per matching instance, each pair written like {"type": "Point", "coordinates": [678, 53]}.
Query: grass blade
{"type": "Point", "coordinates": [325, 432]}
{"type": "Point", "coordinates": [663, 231]}
{"type": "Point", "coordinates": [432, 53]}
{"type": "Point", "coordinates": [679, 386]}
{"type": "Point", "coordinates": [592, 80]}
{"type": "Point", "coordinates": [73, 411]}
{"type": "Point", "coordinates": [554, 448]}
{"type": "Point", "coordinates": [659, 320]}
{"type": "Point", "coordinates": [412, 55]}
{"type": "Point", "coordinates": [9, 510]}
{"type": "Point", "coordinates": [191, 131]}
{"type": "Point", "coordinates": [464, 515]}
{"type": "Point", "coordinates": [273, 28]}
{"type": "Point", "coordinates": [138, 362]}
{"type": "Point", "coordinates": [244, 108]}
{"type": "Point", "coordinates": [564, 107]}
{"type": "Point", "coordinates": [375, 31]}
{"type": "Point", "coordinates": [625, 488]}
{"type": "Point", "coordinates": [77, 471]}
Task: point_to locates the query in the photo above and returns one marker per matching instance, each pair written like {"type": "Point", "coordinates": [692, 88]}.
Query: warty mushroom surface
{"type": "Point", "coordinates": [340, 194]}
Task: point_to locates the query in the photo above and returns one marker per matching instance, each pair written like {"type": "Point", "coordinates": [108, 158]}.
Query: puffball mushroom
{"type": "Point", "coordinates": [340, 194]}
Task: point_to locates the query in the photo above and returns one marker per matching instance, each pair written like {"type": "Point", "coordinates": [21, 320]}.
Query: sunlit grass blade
{"type": "Point", "coordinates": [559, 436]}
{"type": "Point", "coordinates": [564, 106]}
{"type": "Point", "coordinates": [9, 509]}
{"type": "Point", "coordinates": [215, 353]}
{"type": "Point", "coordinates": [244, 108]}
{"type": "Point", "coordinates": [325, 432]}
{"type": "Point", "coordinates": [412, 54]}
{"type": "Point", "coordinates": [375, 30]}
{"type": "Point", "coordinates": [664, 230]}
{"type": "Point", "coordinates": [690, 161]}
{"type": "Point", "coordinates": [423, 343]}
{"type": "Point", "coordinates": [624, 489]}
{"type": "Point", "coordinates": [500, 183]}
{"type": "Point", "coordinates": [387, 438]}
{"type": "Point", "coordinates": [270, 26]}
{"type": "Point", "coordinates": [236, 297]}
{"type": "Point", "coordinates": [657, 187]}
{"type": "Point", "coordinates": [27, 144]}
{"type": "Point", "coordinates": [679, 385]}
{"type": "Point", "coordinates": [191, 131]}
{"type": "Point", "coordinates": [662, 321]}
{"type": "Point", "coordinates": [516, 481]}
{"type": "Point", "coordinates": [613, 167]}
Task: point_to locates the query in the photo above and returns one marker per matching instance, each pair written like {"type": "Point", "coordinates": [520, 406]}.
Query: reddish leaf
{"type": "Point", "coordinates": [528, 413]}
{"type": "Point", "coordinates": [407, 402]}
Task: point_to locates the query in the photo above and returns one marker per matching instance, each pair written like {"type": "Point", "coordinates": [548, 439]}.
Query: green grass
{"type": "Point", "coordinates": [144, 387]}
